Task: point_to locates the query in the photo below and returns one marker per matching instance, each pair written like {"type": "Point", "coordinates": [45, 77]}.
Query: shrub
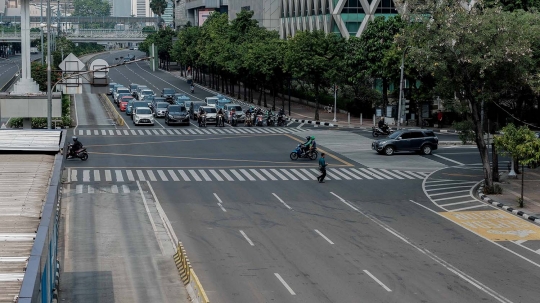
{"type": "Point", "coordinates": [465, 130]}
{"type": "Point", "coordinates": [496, 189]}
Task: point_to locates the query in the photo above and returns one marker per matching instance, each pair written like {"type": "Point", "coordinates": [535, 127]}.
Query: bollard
{"type": "Point", "coordinates": [374, 119]}
{"type": "Point", "coordinates": [360, 118]}
{"type": "Point", "coordinates": [349, 118]}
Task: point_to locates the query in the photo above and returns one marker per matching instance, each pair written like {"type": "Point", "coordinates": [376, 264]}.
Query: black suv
{"type": "Point", "coordinates": [412, 140]}
{"type": "Point", "coordinates": [168, 94]}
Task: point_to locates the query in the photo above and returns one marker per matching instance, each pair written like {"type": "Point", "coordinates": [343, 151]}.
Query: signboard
{"type": "Point", "coordinates": [71, 65]}
{"type": "Point", "coordinates": [204, 14]}
{"type": "Point", "coordinates": [425, 110]}
{"type": "Point", "coordinates": [495, 225]}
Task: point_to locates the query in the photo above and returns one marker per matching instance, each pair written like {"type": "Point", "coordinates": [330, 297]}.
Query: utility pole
{"type": "Point", "coordinates": [401, 86]}
{"type": "Point", "coordinates": [41, 30]}
{"type": "Point", "coordinates": [49, 93]}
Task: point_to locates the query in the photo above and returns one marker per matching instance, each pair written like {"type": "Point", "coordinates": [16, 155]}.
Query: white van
{"type": "Point", "coordinates": [211, 101]}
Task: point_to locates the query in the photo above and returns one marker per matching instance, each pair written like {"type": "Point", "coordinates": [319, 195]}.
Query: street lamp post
{"type": "Point", "coordinates": [41, 31]}
{"type": "Point", "coordinates": [335, 102]}
{"type": "Point", "coordinates": [49, 95]}
{"type": "Point", "coordinates": [401, 86]}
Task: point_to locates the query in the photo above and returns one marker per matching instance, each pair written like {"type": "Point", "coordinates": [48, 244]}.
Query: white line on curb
{"type": "Point", "coordinates": [222, 208]}
{"type": "Point", "coordinates": [377, 280]}
{"type": "Point", "coordinates": [448, 159]}
{"type": "Point", "coordinates": [215, 195]}
{"type": "Point", "coordinates": [245, 236]}
{"type": "Point", "coordinates": [285, 284]}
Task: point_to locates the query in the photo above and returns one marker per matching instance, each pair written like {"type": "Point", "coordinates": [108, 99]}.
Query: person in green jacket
{"type": "Point", "coordinates": [322, 168]}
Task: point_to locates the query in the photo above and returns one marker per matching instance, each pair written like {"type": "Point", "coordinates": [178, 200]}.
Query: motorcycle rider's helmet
{"type": "Point", "coordinates": [312, 137]}
{"type": "Point", "coordinates": [75, 139]}
{"type": "Point", "coordinates": [308, 137]}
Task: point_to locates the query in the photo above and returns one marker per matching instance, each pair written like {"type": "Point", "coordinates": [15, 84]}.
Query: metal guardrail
{"type": "Point", "coordinates": [82, 33]}
{"type": "Point", "coordinates": [41, 275]}
{"type": "Point", "coordinates": [188, 274]}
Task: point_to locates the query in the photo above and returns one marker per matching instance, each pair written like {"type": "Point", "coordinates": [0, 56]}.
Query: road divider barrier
{"type": "Point", "coordinates": [188, 275]}
{"type": "Point", "coordinates": [109, 106]}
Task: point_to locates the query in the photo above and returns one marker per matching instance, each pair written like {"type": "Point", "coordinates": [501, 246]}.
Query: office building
{"type": "Point", "coordinates": [198, 10]}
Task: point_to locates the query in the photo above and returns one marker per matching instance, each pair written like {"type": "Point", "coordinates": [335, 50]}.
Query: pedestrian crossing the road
{"type": "Point", "coordinates": [188, 131]}
{"type": "Point", "coordinates": [237, 174]}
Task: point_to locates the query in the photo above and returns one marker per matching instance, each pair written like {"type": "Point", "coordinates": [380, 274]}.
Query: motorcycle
{"type": "Point", "coordinates": [202, 121]}
{"type": "Point", "coordinates": [281, 120]}
{"type": "Point", "coordinates": [192, 89]}
{"type": "Point", "coordinates": [249, 120]}
{"type": "Point", "coordinates": [234, 120]}
{"type": "Point", "coordinates": [259, 120]}
{"type": "Point", "coordinates": [379, 132]}
{"type": "Point", "coordinates": [81, 154]}
{"type": "Point", "coordinates": [270, 121]}
{"type": "Point", "coordinates": [311, 154]}
{"type": "Point", "coordinates": [220, 121]}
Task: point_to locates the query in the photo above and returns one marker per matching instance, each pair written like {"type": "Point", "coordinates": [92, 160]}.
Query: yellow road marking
{"type": "Point", "coordinates": [196, 158]}
{"type": "Point", "coordinates": [175, 141]}
{"type": "Point", "coordinates": [495, 225]}
{"type": "Point", "coordinates": [322, 151]}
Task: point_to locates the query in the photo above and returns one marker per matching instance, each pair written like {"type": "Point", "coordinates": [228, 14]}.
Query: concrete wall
{"type": "Point", "coordinates": [267, 12]}
{"type": "Point", "coordinates": [29, 106]}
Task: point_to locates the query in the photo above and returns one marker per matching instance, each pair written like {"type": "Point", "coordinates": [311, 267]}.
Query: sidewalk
{"type": "Point", "coordinates": [300, 111]}
{"type": "Point", "coordinates": [512, 191]}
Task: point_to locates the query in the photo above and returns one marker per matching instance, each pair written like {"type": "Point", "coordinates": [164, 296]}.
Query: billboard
{"type": "Point", "coordinates": [204, 14]}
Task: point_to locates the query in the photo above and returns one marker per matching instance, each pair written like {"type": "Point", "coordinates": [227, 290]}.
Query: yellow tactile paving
{"type": "Point", "coordinates": [495, 225]}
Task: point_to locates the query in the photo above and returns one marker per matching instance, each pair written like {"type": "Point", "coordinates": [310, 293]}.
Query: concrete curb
{"type": "Point", "coordinates": [312, 122]}
{"type": "Point", "coordinates": [520, 213]}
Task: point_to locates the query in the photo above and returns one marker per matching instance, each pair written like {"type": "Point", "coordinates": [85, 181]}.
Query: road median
{"type": "Point", "coordinates": [188, 275]}
{"type": "Point", "coordinates": [109, 107]}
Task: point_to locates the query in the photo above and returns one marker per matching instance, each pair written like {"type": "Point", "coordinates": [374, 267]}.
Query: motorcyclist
{"type": "Point", "coordinates": [382, 125]}
{"type": "Point", "coordinates": [76, 146]}
{"type": "Point", "coordinates": [258, 113]}
{"type": "Point", "coordinates": [201, 112]}
{"type": "Point", "coordinates": [269, 115]}
{"type": "Point", "coordinates": [220, 112]}
{"type": "Point", "coordinates": [308, 144]}
{"type": "Point", "coordinates": [233, 114]}
{"type": "Point", "coordinates": [192, 88]}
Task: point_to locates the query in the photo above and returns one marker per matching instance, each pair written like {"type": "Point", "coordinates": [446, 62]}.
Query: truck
{"type": "Point", "coordinates": [34, 50]}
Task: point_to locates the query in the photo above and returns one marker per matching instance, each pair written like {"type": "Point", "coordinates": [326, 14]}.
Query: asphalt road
{"type": "Point", "coordinates": [257, 227]}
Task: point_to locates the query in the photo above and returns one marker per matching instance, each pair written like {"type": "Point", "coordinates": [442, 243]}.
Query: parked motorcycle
{"type": "Point", "coordinates": [220, 121]}
{"type": "Point", "coordinates": [202, 121]}
{"type": "Point", "coordinates": [379, 132]}
{"type": "Point", "coordinates": [81, 154]}
{"type": "Point", "coordinates": [311, 154]}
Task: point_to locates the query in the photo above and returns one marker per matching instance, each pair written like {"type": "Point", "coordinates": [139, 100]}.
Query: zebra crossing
{"type": "Point", "coordinates": [238, 174]}
{"type": "Point", "coordinates": [453, 195]}
{"type": "Point", "coordinates": [188, 131]}
{"type": "Point", "coordinates": [110, 189]}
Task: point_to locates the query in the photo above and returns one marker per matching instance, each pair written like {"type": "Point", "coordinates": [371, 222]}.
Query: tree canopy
{"type": "Point", "coordinates": [94, 8]}
{"type": "Point", "coordinates": [158, 6]}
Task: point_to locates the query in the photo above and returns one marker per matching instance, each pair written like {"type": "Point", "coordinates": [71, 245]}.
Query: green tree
{"type": "Point", "coordinates": [158, 6]}
{"type": "Point", "coordinates": [474, 53]}
{"type": "Point", "coordinates": [94, 8]}
{"type": "Point", "coordinates": [521, 144]}
{"type": "Point", "coordinates": [511, 5]}
{"type": "Point", "coordinates": [313, 56]}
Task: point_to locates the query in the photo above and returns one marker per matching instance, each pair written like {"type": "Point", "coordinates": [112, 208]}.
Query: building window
{"type": "Point", "coordinates": [245, 8]}
{"type": "Point", "coordinates": [327, 7]}
{"type": "Point", "coordinates": [386, 7]}
{"type": "Point", "coordinates": [306, 7]}
{"type": "Point", "coordinates": [12, 4]}
{"type": "Point", "coordinates": [353, 7]}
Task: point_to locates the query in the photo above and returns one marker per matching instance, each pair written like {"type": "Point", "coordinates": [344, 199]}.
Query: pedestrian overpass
{"type": "Point", "coordinates": [85, 35]}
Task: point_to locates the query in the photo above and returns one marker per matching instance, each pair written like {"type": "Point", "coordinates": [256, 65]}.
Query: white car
{"type": "Point", "coordinates": [143, 115]}
{"type": "Point", "coordinates": [120, 90]}
{"type": "Point", "coordinates": [145, 92]}
{"type": "Point", "coordinates": [211, 101]}
{"type": "Point", "coordinates": [211, 114]}
{"type": "Point", "coordinates": [240, 115]}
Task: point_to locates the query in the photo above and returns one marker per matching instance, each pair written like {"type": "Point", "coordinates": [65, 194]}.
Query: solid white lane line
{"type": "Point", "coordinates": [222, 208]}
{"type": "Point", "coordinates": [346, 203]}
{"type": "Point", "coordinates": [281, 201]}
{"type": "Point", "coordinates": [173, 175]}
{"type": "Point", "coordinates": [130, 175]}
{"type": "Point", "coordinates": [108, 176]}
{"type": "Point", "coordinates": [205, 175]}
{"type": "Point", "coordinates": [438, 181]}
{"type": "Point", "coordinates": [450, 192]}
{"type": "Point", "coordinates": [450, 198]}
{"type": "Point", "coordinates": [450, 183]}
{"type": "Point", "coordinates": [224, 173]}
{"type": "Point", "coordinates": [151, 175]}
{"type": "Point", "coordinates": [465, 208]}
{"type": "Point", "coordinates": [162, 175]}
{"type": "Point", "coordinates": [285, 284]}
{"type": "Point", "coordinates": [97, 176]}
{"type": "Point", "coordinates": [141, 175]}
{"type": "Point", "coordinates": [448, 159]}
{"type": "Point", "coordinates": [377, 280]}
{"type": "Point", "coordinates": [215, 195]}
{"type": "Point", "coordinates": [245, 236]}
{"type": "Point", "coordinates": [457, 203]}
{"type": "Point", "coordinates": [125, 188]}
{"type": "Point", "coordinates": [119, 177]}
{"type": "Point", "coordinates": [451, 187]}
{"type": "Point", "coordinates": [324, 237]}
{"type": "Point", "coordinates": [216, 175]}
{"type": "Point", "coordinates": [86, 175]}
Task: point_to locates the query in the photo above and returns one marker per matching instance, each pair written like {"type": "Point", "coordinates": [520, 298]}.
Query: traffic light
{"type": "Point", "coordinates": [406, 106]}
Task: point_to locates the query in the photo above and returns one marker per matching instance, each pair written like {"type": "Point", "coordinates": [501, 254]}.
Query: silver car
{"type": "Point", "coordinates": [160, 109]}
{"type": "Point", "coordinates": [240, 115]}
{"type": "Point", "coordinates": [144, 93]}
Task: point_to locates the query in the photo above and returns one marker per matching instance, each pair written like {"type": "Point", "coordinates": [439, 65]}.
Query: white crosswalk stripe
{"type": "Point", "coordinates": [189, 131]}
{"type": "Point", "coordinates": [245, 174]}
{"type": "Point", "coordinates": [110, 189]}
